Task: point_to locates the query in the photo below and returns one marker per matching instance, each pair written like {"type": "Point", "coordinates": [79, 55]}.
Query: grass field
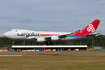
{"type": "Point", "coordinates": [53, 62]}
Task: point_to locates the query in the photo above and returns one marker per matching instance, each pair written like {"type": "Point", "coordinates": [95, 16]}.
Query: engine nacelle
{"type": "Point", "coordinates": [40, 39]}
{"type": "Point", "coordinates": [55, 38]}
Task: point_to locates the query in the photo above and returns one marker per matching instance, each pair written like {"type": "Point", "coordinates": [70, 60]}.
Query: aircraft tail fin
{"type": "Point", "coordinates": [91, 27]}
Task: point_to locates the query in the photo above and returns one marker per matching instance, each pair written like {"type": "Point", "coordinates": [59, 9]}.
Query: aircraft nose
{"type": "Point", "coordinates": [9, 34]}
{"type": "Point", "coordinates": [5, 34]}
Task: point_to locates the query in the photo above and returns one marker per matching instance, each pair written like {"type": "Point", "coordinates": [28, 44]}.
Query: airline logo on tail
{"type": "Point", "coordinates": [91, 28]}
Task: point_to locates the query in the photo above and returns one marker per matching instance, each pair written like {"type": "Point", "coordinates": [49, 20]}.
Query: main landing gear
{"type": "Point", "coordinates": [49, 43]}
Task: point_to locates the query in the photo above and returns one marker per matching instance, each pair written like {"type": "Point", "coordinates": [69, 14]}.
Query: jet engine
{"type": "Point", "coordinates": [40, 39]}
{"type": "Point", "coordinates": [55, 38]}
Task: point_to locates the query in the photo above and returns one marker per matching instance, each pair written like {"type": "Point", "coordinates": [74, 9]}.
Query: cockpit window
{"type": "Point", "coordinates": [10, 29]}
{"type": "Point", "coordinates": [15, 30]}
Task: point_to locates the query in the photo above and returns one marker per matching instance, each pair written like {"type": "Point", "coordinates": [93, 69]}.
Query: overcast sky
{"type": "Point", "coordinates": [51, 15]}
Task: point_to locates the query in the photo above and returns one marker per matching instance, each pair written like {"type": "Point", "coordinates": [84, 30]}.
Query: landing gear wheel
{"type": "Point", "coordinates": [48, 43]}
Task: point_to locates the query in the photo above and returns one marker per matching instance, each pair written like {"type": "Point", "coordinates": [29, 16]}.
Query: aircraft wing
{"type": "Point", "coordinates": [57, 37]}
{"type": "Point", "coordinates": [64, 35]}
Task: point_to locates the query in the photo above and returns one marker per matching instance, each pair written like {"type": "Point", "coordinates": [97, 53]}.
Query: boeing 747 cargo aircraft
{"type": "Point", "coordinates": [49, 37]}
